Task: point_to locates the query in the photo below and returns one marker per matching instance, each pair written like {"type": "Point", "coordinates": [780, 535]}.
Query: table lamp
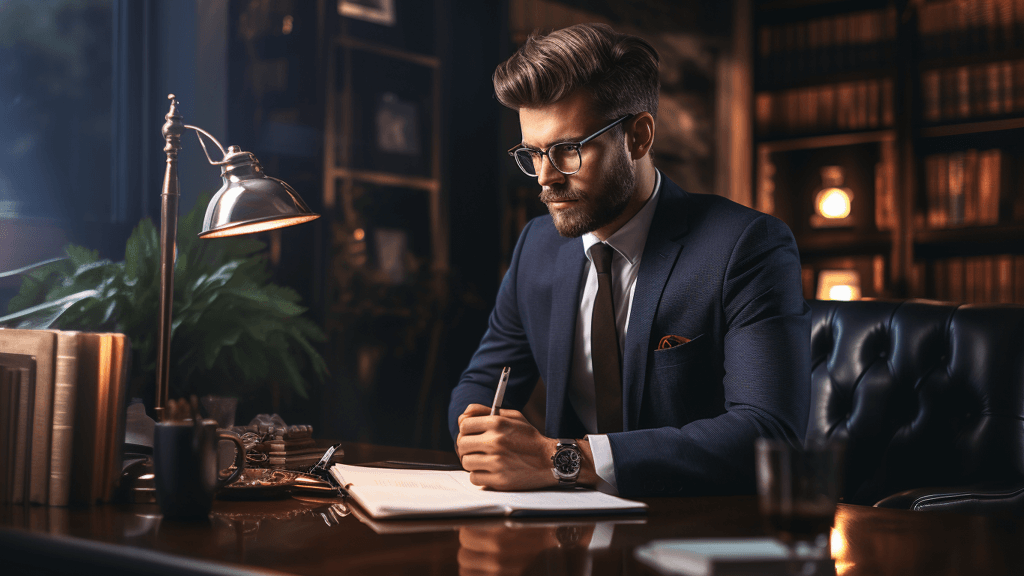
{"type": "Point", "coordinates": [248, 201]}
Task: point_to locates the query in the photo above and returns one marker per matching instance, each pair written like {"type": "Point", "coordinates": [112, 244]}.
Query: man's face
{"type": "Point", "coordinates": [600, 192]}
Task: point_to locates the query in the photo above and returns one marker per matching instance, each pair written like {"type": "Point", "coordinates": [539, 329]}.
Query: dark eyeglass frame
{"type": "Point", "coordinates": [514, 151]}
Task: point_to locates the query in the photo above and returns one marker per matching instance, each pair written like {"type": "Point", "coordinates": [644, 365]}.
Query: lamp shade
{"type": "Point", "coordinates": [250, 201]}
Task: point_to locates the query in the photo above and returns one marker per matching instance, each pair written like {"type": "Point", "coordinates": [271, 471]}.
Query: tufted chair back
{"type": "Point", "coordinates": [925, 394]}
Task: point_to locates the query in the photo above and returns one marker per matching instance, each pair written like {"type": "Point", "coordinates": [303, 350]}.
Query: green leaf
{"type": "Point", "coordinates": [233, 331]}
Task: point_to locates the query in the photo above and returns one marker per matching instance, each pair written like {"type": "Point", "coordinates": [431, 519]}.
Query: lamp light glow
{"type": "Point", "coordinates": [838, 285]}
{"type": "Point", "coordinates": [833, 203]}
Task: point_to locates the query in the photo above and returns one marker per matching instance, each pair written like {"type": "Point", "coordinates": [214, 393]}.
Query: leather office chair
{"type": "Point", "coordinates": [929, 398]}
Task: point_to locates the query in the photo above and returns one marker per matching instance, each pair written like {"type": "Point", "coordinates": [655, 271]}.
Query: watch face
{"type": "Point", "coordinates": [567, 461]}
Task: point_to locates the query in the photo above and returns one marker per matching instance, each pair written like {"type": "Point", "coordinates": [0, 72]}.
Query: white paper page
{"type": "Point", "coordinates": [388, 492]}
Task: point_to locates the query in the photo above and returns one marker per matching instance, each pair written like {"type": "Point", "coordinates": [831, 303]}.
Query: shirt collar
{"type": "Point", "coordinates": [629, 240]}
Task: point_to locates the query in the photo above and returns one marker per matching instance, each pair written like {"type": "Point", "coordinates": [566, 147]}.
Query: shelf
{"type": "Point", "coordinates": [785, 11]}
{"type": "Point", "coordinates": [977, 240]}
{"type": "Point", "coordinates": [386, 178]}
{"type": "Point", "coordinates": [843, 242]}
{"type": "Point", "coordinates": [988, 57]}
{"type": "Point", "coordinates": [430, 61]}
{"type": "Point", "coordinates": [979, 127]}
{"type": "Point", "coordinates": [826, 140]}
{"type": "Point", "coordinates": [812, 80]}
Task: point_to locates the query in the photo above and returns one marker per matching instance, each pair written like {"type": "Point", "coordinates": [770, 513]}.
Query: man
{"type": "Point", "coordinates": [669, 328]}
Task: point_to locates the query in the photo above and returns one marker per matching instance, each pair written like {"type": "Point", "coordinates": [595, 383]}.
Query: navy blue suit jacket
{"type": "Point", "coordinates": [721, 274]}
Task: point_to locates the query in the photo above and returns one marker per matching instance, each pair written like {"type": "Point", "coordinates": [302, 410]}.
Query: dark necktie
{"type": "Point", "coordinates": [604, 346]}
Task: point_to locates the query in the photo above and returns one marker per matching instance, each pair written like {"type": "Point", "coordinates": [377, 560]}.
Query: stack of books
{"type": "Point", "coordinates": [292, 448]}
{"type": "Point", "coordinates": [61, 415]}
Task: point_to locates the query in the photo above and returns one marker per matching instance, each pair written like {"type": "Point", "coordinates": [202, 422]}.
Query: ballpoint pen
{"type": "Point", "coordinates": [499, 394]}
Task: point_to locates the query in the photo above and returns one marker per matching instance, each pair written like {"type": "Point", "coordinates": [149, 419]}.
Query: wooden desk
{"type": "Point", "coordinates": [325, 537]}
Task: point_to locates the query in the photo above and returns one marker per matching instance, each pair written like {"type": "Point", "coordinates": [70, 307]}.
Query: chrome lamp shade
{"type": "Point", "coordinates": [250, 201]}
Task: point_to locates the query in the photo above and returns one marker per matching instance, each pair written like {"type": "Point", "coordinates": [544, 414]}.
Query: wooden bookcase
{"type": "Point", "coordinates": [921, 104]}
{"type": "Point", "coordinates": [387, 269]}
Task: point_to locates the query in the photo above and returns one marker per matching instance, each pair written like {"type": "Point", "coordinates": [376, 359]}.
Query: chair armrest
{"type": "Point", "coordinates": [985, 498]}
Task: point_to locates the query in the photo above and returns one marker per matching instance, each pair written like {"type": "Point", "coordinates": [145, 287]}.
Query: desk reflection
{"type": "Point", "coordinates": [514, 548]}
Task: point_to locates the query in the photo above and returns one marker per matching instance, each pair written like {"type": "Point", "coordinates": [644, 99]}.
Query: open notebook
{"type": "Point", "coordinates": [390, 493]}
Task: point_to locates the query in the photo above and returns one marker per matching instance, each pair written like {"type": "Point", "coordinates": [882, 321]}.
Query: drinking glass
{"type": "Point", "coordinates": [797, 492]}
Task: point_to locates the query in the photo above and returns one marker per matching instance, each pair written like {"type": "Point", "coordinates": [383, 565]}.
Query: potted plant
{"type": "Point", "coordinates": [234, 333]}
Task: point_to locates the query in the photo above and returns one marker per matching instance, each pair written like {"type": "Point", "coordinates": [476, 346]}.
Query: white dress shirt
{"type": "Point", "coordinates": [628, 246]}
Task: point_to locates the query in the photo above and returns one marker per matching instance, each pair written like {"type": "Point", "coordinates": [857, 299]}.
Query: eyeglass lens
{"type": "Point", "coordinates": [564, 157]}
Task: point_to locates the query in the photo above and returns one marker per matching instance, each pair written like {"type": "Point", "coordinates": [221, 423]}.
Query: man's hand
{"type": "Point", "coordinates": [504, 452]}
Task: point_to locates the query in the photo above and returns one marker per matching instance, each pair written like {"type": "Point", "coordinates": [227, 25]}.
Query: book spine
{"type": "Point", "coordinates": [120, 369]}
{"type": "Point", "coordinates": [65, 377]}
{"type": "Point", "coordinates": [102, 429]}
{"type": "Point", "coordinates": [971, 187]}
{"type": "Point", "coordinates": [1018, 278]}
{"type": "Point", "coordinates": [1004, 264]}
{"type": "Point", "coordinates": [8, 409]}
{"type": "Point", "coordinates": [23, 441]}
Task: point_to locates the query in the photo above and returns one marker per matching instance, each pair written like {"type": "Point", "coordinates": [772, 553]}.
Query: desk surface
{"type": "Point", "coordinates": [318, 537]}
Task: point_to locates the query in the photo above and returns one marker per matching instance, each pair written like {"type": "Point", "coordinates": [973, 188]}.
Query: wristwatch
{"type": "Point", "coordinates": [567, 461]}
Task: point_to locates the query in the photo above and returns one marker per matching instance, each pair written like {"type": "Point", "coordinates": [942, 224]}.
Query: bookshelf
{"type": "Point", "coordinates": [921, 107]}
{"type": "Point", "coordinates": [387, 243]}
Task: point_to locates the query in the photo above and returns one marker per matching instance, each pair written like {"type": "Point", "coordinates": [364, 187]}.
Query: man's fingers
{"type": "Point", "coordinates": [480, 463]}
{"type": "Point", "coordinates": [479, 424]}
{"type": "Point", "coordinates": [475, 444]}
{"type": "Point", "coordinates": [514, 414]}
{"type": "Point", "coordinates": [474, 410]}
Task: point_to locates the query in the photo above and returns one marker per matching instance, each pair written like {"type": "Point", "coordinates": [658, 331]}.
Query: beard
{"type": "Point", "coordinates": [594, 209]}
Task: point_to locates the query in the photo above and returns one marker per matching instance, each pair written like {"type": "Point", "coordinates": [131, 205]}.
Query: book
{"type": "Point", "coordinates": [8, 409]}
{"type": "Point", "coordinates": [729, 556]}
{"type": "Point", "coordinates": [99, 416]}
{"type": "Point", "coordinates": [41, 344]}
{"type": "Point", "coordinates": [393, 493]}
{"type": "Point", "coordinates": [64, 380]}
{"type": "Point", "coordinates": [22, 450]}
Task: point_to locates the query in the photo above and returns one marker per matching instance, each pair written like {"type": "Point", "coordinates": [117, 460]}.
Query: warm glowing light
{"type": "Point", "coordinates": [838, 285]}
{"type": "Point", "coordinates": [833, 203]}
{"type": "Point", "coordinates": [840, 551]}
{"type": "Point", "coordinates": [841, 292]}
{"type": "Point", "coordinates": [258, 226]}
{"type": "Point", "coordinates": [286, 25]}
{"type": "Point", "coordinates": [359, 234]}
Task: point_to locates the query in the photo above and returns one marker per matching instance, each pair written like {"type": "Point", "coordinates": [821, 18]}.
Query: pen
{"type": "Point", "coordinates": [499, 394]}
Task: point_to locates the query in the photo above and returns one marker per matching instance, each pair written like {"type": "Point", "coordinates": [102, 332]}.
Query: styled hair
{"type": "Point", "coordinates": [619, 71]}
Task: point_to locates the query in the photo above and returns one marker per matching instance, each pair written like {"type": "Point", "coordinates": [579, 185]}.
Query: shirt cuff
{"type": "Point", "coordinates": [601, 449]}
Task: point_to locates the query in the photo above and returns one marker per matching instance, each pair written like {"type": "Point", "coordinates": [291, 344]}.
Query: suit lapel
{"type": "Point", "coordinates": [664, 242]}
{"type": "Point", "coordinates": [564, 309]}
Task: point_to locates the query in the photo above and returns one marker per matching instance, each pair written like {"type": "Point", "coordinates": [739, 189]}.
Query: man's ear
{"type": "Point", "coordinates": [640, 135]}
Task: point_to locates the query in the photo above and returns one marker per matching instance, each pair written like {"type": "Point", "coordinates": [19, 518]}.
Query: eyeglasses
{"type": "Point", "coordinates": [564, 156]}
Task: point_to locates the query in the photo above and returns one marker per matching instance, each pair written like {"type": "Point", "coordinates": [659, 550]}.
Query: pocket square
{"type": "Point", "coordinates": [671, 340]}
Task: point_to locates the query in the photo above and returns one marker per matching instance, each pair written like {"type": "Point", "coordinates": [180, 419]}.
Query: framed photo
{"type": "Point", "coordinates": [376, 11]}
{"type": "Point", "coordinates": [392, 116]}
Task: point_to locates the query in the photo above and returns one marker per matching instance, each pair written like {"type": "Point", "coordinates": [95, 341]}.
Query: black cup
{"type": "Point", "coordinates": [185, 466]}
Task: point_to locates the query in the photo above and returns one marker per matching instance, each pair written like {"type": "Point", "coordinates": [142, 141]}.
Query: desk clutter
{"type": "Point", "coordinates": [61, 415]}
{"type": "Point", "coordinates": [270, 443]}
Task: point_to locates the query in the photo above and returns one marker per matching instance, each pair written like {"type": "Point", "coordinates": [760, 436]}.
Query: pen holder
{"type": "Point", "coordinates": [186, 470]}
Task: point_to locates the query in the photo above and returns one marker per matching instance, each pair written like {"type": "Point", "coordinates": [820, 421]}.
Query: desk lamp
{"type": "Point", "coordinates": [248, 201]}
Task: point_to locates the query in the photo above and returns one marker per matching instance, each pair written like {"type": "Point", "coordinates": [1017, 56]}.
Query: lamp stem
{"type": "Point", "coordinates": [172, 130]}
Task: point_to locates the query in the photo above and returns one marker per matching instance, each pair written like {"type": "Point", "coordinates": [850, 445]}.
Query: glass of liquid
{"type": "Point", "coordinates": [798, 488]}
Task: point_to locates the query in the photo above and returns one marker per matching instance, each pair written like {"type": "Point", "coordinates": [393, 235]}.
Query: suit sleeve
{"type": "Point", "coordinates": [503, 344]}
{"type": "Point", "coordinates": [766, 384]}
